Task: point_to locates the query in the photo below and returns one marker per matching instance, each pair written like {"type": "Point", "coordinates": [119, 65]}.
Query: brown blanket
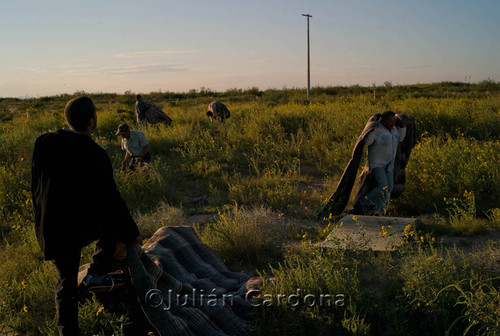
{"type": "Point", "coordinates": [155, 115]}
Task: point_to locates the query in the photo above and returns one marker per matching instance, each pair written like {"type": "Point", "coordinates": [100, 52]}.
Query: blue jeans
{"type": "Point", "coordinates": [378, 198]}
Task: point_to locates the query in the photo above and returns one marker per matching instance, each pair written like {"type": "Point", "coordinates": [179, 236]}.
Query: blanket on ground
{"type": "Point", "coordinates": [337, 202]}
{"type": "Point", "coordinates": [184, 288]}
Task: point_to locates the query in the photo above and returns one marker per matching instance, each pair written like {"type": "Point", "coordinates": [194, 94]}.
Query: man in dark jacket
{"type": "Point", "coordinates": [75, 202]}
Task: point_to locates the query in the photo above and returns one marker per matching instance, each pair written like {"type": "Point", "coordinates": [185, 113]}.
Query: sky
{"type": "Point", "coordinates": [55, 47]}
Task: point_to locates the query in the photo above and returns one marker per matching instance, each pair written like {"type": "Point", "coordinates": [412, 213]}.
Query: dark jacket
{"type": "Point", "coordinates": [75, 198]}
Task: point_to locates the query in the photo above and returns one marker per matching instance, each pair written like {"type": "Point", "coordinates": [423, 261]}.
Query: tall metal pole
{"type": "Point", "coordinates": [308, 59]}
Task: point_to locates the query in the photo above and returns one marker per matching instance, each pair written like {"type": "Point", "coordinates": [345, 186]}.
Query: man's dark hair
{"type": "Point", "coordinates": [388, 114]}
{"type": "Point", "coordinates": [78, 112]}
{"type": "Point", "coordinates": [138, 97]}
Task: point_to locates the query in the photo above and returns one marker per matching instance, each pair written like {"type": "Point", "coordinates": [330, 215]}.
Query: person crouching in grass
{"type": "Point", "coordinates": [135, 145]}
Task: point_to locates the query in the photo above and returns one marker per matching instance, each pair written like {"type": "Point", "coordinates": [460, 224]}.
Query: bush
{"type": "Point", "coordinates": [480, 301]}
{"type": "Point", "coordinates": [163, 215]}
{"type": "Point", "coordinates": [246, 236]}
{"type": "Point", "coordinates": [494, 217]}
{"type": "Point", "coordinates": [455, 165]}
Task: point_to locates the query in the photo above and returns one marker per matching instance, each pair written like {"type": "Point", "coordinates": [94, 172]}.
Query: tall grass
{"type": "Point", "coordinates": [251, 237]}
{"type": "Point", "coordinates": [273, 163]}
{"type": "Point", "coordinates": [455, 165]}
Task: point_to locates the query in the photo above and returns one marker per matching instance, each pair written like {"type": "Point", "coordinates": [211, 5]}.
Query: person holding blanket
{"type": "Point", "coordinates": [337, 202]}
{"type": "Point", "coordinates": [217, 110]}
{"type": "Point", "coordinates": [140, 111]}
{"type": "Point", "coordinates": [148, 112]}
{"type": "Point", "coordinates": [382, 145]}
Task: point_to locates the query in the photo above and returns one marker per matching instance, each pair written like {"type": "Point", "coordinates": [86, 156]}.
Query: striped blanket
{"type": "Point", "coordinates": [184, 288]}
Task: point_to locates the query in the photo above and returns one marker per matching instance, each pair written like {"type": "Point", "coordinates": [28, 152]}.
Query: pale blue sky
{"type": "Point", "coordinates": [54, 47]}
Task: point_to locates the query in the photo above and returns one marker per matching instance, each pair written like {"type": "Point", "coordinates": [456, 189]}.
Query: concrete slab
{"type": "Point", "coordinates": [368, 232]}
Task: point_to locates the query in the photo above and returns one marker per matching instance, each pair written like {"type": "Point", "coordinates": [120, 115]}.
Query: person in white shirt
{"type": "Point", "coordinates": [136, 146]}
{"type": "Point", "coordinates": [382, 147]}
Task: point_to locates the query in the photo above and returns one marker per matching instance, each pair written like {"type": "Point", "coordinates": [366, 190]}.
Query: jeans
{"type": "Point", "coordinates": [143, 122]}
{"type": "Point", "coordinates": [378, 198]}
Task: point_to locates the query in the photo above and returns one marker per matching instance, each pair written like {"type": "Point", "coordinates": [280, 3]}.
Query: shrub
{"type": "Point", "coordinates": [316, 295]}
{"type": "Point", "coordinates": [146, 186]}
{"type": "Point", "coordinates": [480, 301]}
{"type": "Point", "coordinates": [455, 165]}
{"type": "Point", "coordinates": [246, 235]}
{"type": "Point", "coordinates": [463, 216]}
{"type": "Point", "coordinates": [163, 215]}
{"type": "Point", "coordinates": [494, 217]}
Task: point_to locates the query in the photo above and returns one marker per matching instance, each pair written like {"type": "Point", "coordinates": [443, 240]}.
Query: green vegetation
{"type": "Point", "coordinates": [260, 178]}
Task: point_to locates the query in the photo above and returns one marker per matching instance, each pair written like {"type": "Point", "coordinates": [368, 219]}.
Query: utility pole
{"type": "Point", "coordinates": [308, 59]}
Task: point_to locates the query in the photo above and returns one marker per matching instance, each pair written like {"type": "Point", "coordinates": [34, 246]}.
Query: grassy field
{"type": "Point", "coordinates": [260, 178]}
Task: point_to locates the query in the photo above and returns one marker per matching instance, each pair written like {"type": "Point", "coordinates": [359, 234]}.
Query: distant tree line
{"type": "Point", "coordinates": [270, 97]}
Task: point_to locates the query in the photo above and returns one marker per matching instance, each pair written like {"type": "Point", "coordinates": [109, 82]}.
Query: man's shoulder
{"type": "Point", "coordinates": [136, 133]}
{"type": "Point", "coordinates": [45, 136]}
{"type": "Point", "coordinates": [142, 104]}
{"type": "Point", "coordinates": [51, 137]}
{"type": "Point", "coordinates": [379, 128]}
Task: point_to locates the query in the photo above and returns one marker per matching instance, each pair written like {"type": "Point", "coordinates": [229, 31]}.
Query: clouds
{"type": "Point", "coordinates": [123, 64]}
{"type": "Point", "coordinates": [155, 53]}
{"type": "Point", "coordinates": [38, 71]}
{"type": "Point", "coordinates": [131, 69]}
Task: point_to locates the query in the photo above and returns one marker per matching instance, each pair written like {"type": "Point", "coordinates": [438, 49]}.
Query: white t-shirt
{"type": "Point", "coordinates": [382, 146]}
{"type": "Point", "coordinates": [135, 144]}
